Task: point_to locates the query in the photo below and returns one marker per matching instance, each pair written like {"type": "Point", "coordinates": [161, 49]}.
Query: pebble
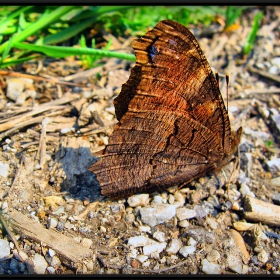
{"type": "Point", "coordinates": [263, 256]}
{"type": "Point", "coordinates": [235, 263]}
{"type": "Point", "coordinates": [201, 235]}
{"type": "Point", "coordinates": [37, 265]}
{"type": "Point", "coordinates": [240, 244]}
{"type": "Point", "coordinates": [245, 190]}
{"type": "Point", "coordinates": [157, 214]}
{"type": "Point", "coordinates": [67, 130]}
{"type": "Point", "coordinates": [55, 262]}
{"type": "Point", "coordinates": [51, 252]}
{"type": "Point", "coordinates": [50, 270]}
{"type": "Point", "coordinates": [4, 170]}
{"type": "Point", "coordinates": [157, 199]}
{"type": "Point", "coordinates": [174, 246]}
{"type": "Point", "coordinates": [144, 228]}
{"type": "Point", "coordinates": [201, 211]}
{"type": "Point", "coordinates": [210, 268]}
{"type": "Point", "coordinates": [179, 199]}
{"type": "Point", "coordinates": [184, 224]}
{"type": "Point", "coordinates": [185, 213]}
{"type": "Point", "coordinates": [52, 223]}
{"type": "Point", "coordinates": [138, 200]}
{"type": "Point", "coordinates": [156, 247]}
{"type": "Point", "coordinates": [4, 248]}
{"type": "Point", "coordinates": [212, 223]}
{"type": "Point", "coordinates": [141, 240]}
{"type": "Point", "coordinates": [86, 242]}
{"type": "Point", "coordinates": [213, 256]}
{"type": "Point", "coordinates": [141, 258]}
{"type": "Point", "coordinates": [14, 266]}
{"type": "Point", "coordinates": [276, 61]}
{"type": "Point", "coordinates": [187, 250]}
{"type": "Point", "coordinates": [274, 165]}
{"type": "Point", "coordinates": [276, 182]}
{"type": "Point", "coordinates": [160, 236]}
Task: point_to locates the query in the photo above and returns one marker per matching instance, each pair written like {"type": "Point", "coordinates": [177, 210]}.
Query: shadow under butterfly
{"type": "Point", "coordinates": [173, 125]}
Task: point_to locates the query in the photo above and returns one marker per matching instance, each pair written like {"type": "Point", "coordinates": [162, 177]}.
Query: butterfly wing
{"type": "Point", "coordinates": [173, 125]}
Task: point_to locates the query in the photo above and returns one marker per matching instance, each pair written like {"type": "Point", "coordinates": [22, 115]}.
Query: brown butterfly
{"type": "Point", "coordinates": [173, 125]}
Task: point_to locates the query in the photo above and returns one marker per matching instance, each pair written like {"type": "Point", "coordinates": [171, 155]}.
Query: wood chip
{"type": "Point", "coordinates": [62, 244]}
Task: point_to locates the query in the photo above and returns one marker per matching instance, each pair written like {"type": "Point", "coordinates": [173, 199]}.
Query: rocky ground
{"type": "Point", "coordinates": [54, 219]}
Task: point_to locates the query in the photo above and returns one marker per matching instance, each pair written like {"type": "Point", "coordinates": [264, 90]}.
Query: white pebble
{"type": "Point", "coordinates": [210, 268]}
{"type": "Point", "coordinates": [184, 224]}
{"type": "Point", "coordinates": [174, 246]}
{"type": "Point", "coordinates": [4, 170]}
{"type": "Point", "coordinates": [160, 236]}
{"type": "Point", "coordinates": [50, 270]}
{"type": "Point", "coordinates": [145, 228]}
{"type": "Point", "coordinates": [187, 250]}
{"type": "Point", "coordinates": [157, 214]}
{"type": "Point", "coordinates": [138, 200]}
{"type": "Point", "coordinates": [183, 213]}
{"type": "Point", "coordinates": [263, 256]}
{"type": "Point", "coordinates": [51, 252]}
{"type": "Point", "coordinates": [141, 240]}
{"type": "Point", "coordinates": [157, 247]}
{"type": "Point", "coordinates": [141, 258]}
{"type": "Point", "coordinates": [4, 248]}
{"type": "Point", "coordinates": [38, 265]}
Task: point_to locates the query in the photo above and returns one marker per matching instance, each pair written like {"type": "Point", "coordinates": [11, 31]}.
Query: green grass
{"type": "Point", "coordinates": [32, 32]}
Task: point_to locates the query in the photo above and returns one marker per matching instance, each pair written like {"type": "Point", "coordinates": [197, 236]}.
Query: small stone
{"type": "Point", "coordinates": [55, 262]}
{"type": "Point", "coordinates": [174, 246]}
{"type": "Point", "coordinates": [183, 213]}
{"type": "Point", "coordinates": [4, 248]}
{"type": "Point", "coordinates": [67, 130]}
{"type": "Point", "coordinates": [179, 199]}
{"type": "Point", "coordinates": [157, 214]}
{"type": "Point", "coordinates": [51, 252]}
{"type": "Point", "coordinates": [141, 258]}
{"type": "Point", "coordinates": [4, 170]}
{"type": "Point", "coordinates": [129, 218]}
{"type": "Point", "coordinates": [210, 268]}
{"type": "Point", "coordinates": [276, 61]}
{"type": "Point", "coordinates": [103, 229]}
{"type": "Point", "coordinates": [145, 228]}
{"type": "Point", "coordinates": [213, 256]}
{"type": "Point", "coordinates": [156, 247]}
{"type": "Point", "coordinates": [187, 250]}
{"type": "Point", "coordinates": [263, 256]}
{"type": "Point", "coordinates": [212, 223]}
{"type": "Point", "coordinates": [90, 265]}
{"type": "Point", "coordinates": [141, 240]}
{"type": "Point", "coordinates": [14, 266]}
{"type": "Point", "coordinates": [160, 236]}
{"type": "Point", "coordinates": [274, 165]}
{"type": "Point", "coordinates": [138, 200]}
{"type": "Point", "coordinates": [52, 223]}
{"type": "Point", "coordinates": [184, 224]}
{"type": "Point", "coordinates": [51, 270]}
{"type": "Point", "coordinates": [37, 265]}
{"type": "Point", "coordinates": [157, 199]}
{"type": "Point", "coordinates": [235, 263]}
{"type": "Point", "coordinates": [86, 242]}
{"type": "Point", "coordinates": [240, 244]}
{"type": "Point", "coordinates": [191, 242]}
{"type": "Point", "coordinates": [60, 226]}
{"type": "Point", "coordinates": [201, 211]}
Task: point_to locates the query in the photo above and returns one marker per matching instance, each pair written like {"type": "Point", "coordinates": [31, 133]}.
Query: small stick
{"type": "Point", "coordinates": [2, 220]}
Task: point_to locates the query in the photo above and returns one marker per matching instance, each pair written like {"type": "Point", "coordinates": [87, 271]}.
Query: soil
{"type": "Point", "coordinates": [52, 129]}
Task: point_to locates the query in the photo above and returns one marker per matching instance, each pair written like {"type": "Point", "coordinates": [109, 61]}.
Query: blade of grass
{"type": "Point", "coordinates": [253, 34]}
{"type": "Point", "coordinates": [61, 52]}
{"type": "Point", "coordinates": [41, 23]}
{"type": "Point", "coordinates": [12, 62]}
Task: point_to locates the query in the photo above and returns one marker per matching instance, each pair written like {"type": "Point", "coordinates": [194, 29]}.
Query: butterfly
{"type": "Point", "coordinates": [172, 125]}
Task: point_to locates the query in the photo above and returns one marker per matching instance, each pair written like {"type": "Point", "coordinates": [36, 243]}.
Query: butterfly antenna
{"type": "Point", "coordinates": [227, 79]}
{"type": "Point", "coordinates": [217, 78]}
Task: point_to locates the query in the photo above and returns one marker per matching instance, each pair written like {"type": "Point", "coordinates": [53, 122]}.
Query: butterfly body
{"type": "Point", "coordinates": [173, 125]}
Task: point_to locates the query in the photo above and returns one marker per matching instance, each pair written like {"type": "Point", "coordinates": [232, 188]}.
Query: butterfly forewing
{"type": "Point", "coordinates": [173, 125]}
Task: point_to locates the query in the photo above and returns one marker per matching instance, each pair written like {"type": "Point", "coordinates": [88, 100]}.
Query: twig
{"type": "Point", "coordinates": [16, 176]}
{"type": "Point", "coordinates": [52, 80]}
{"type": "Point", "coordinates": [42, 143]}
{"type": "Point", "coordinates": [10, 235]}
{"type": "Point", "coordinates": [264, 74]}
